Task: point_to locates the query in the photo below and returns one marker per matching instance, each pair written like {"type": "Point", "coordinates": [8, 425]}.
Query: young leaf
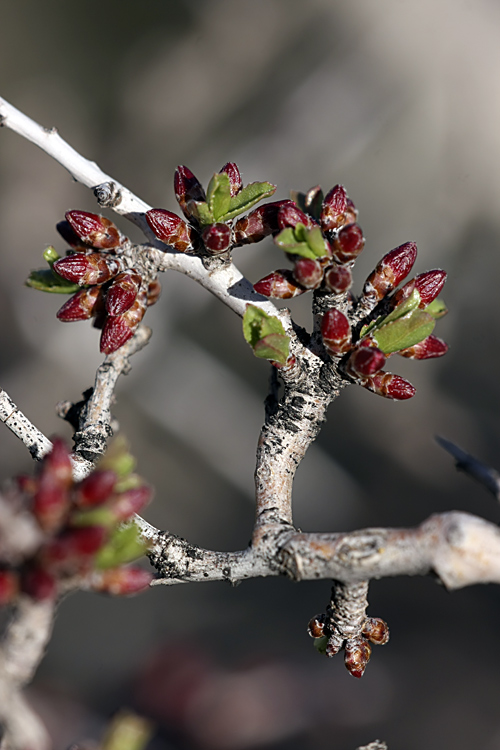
{"type": "Point", "coordinates": [201, 212]}
{"type": "Point", "coordinates": [286, 239]}
{"type": "Point", "coordinates": [265, 334]}
{"type": "Point", "coordinates": [46, 280]}
{"type": "Point", "coordinates": [275, 346]}
{"type": "Point", "coordinates": [409, 304]}
{"type": "Point", "coordinates": [124, 546]}
{"type": "Point", "coordinates": [316, 242]}
{"type": "Point", "coordinates": [219, 195]}
{"type": "Point", "coordinates": [437, 309]}
{"type": "Point", "coordinates": [248, 197]}
{"type": "Point", "coordinates": [50, 255]}
{"type": "Point", "coordinates": [404, 332]}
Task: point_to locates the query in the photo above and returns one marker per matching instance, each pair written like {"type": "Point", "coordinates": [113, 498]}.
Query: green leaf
{"type": "Point", "coordinates": [437, 309]}
{"type": "Point", "coordinates": [320, 644]}
{"type": "Point", "coordinates": [404, 308]}
{"type": "Point", "coordinates": [124, 546]}
{"type": "Point", "coordinates": [265, 334]}
{"type": "Point", "coordinates": [51, 255]}
{"type": "Point", "coordinates": [219, 195]}
{"type": "Point", "coordinates": [201, 212]}
{"type": "Point", "coordinates": [286, 239]}
{"type": "Point", "coordinates": [404, 332]}
{"type": "Point", "coordinates": [118, 459]}
{"type": "Point", "coordinates": [46, 280]}
{"type": "Point", "coordinates": [94, 517]}
{"type": "Point", "coordinates": [248, 197]}
{"type": "Point", "coordinates": [316, 242]}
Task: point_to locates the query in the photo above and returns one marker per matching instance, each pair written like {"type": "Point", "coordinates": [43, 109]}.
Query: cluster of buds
{"type": "Point", "coordinates": [84, 540]}
{"type": "Point", "coordinates": [109, 291]}
{"type": "Point", "coordinates": [322, 238]}
{"type": "Point", "coordinates": [209, 229]}
{"type": "Point", "coordinates": [357, 649]}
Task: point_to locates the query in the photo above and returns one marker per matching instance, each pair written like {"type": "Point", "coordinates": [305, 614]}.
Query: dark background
{"type": "Point", "coordinates": [400, 102]}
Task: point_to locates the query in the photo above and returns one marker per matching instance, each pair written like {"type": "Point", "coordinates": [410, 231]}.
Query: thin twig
{"type": "Point", "coordinates": [482, 473]}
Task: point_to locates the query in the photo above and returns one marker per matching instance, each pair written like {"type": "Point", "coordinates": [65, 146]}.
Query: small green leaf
{"type": "Point", "coordinates": [219, 195]}
{"type": "Point", "coordinates": [316, 242]}
{"type": "Point", "coordinates": [94, 517]}
{"type": "Point", "coordinates": [248, 197]}
{"type": "Point", "coordinates": [437, 309]}
{"type": "Point", "coordinates": [201, 212]}
{"type": "Point", "coordinates": [404, 332]}
{"type": "Point", "coordinates": [320, 644]}
{"type": "Point", "coordinates": [411, 303]}
{"type": "Point", "coordinates": [124, 546]}
{"type": "Point", "coordinates": [286, 239]}
{"type": "Point", "coordinates": [265, 334]}
{"type": "Point", "coordinates": [50, 255]}
{"type": "Point", "coordinates": [118, 459]}
{"type": "Point", "coordinates": [46, 280]}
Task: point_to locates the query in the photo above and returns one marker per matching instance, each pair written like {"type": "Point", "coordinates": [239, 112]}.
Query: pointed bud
{"type": "Point", "coordinates": [289, 215]}
{"type": "Point", "coordinates": [122, 293]}
{"type": "Point", "coordinates": [132, 501]}
{"type": "Point", "coordinates": [365, 361]}
{"type": "Point", "coordinates": [279, 285]}
{"type": "Point", "coordinates": [9, 585]}
{"type": "Point", "coordinates": [429, 284]}
{"type": "Point", "coordinates": [348, 243]}
{"type": "Point", "coordinates": [51, 500]}
{"type": "Point", "coordinates": [122, 581]}
{"type": "Point", "coordinates": [73, 547]}
{"type": "Point", "coordinates": [96, 488]}
{"type": "Point", "coordinates": [308, 273]}
{"type": "Point", "coordinates": [235, 181]}
{"type": "Point", "coordinates": [357, 656]}
{"type": "Point", "coordinates": [351, 212]}
{"type": "Point", "coordinates": [259, 223]}
{"type": "Point", "coordinates": [153, 293]}
{"type": "Point", "coordinates": [38, 583]}
{"type": "Point", "coordinates": [70, 236]}
{"type": "Point", "coordinates": [389, 386]}
{"type": "Point", "coordinates": [216, 238]}
{"type": "Point", "coordinates": [80, 306]}
{"type": "Point", "coordinates": [87, 270]}
{"type": "Point", "coordinates": [171, 229]}
{"type": "Point", "coordinates": [429, 348]}
{"type": "Point", "coordinates": [391, 271]}
{"type": "Point", "coordinates": [94, 230]}
{"type": "Point", "coordinates": [338, 279]}
{"type": "Point", "coordinates": [316, 627]}
{"type": "Point", "coordinates": [334, 208]}
{"type": "Point", "coordinates": [376, 630]}
{"type": "Point", "coordinates": [187, 188]}
{"type": "Point", "coordinates": [118, 329]}
{"type": "Point", "coordinates": [336, 332]}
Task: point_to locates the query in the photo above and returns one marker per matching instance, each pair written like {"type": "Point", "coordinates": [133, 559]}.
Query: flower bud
{"type": "Point", "coordinates": [96, 488]}
{"type": "Point", "coordinates": [122, 581]}
{"type": "Point", "coordinates": [338, 279]}
{"type": "Point", "coordinates": [122, 293]}
{"type": "Point", "coordinates": [429, 284]}
{"type": "Point", "coordinates": [94, 230]}
{"type": "Point", "coordinates": [235, 181]}
{"type": "Point", "coordinates": [131, 501]}
{"type": "Point", "coordinates": [70, 236]}
{"type": "Point", "coordinates": [118, 329]}
{"type": "Point", "coordinates": [73, 548]}
{"type": "Point", "coordinates": [391, 270]}
{"type": "Point", "coordinates": [336, 332]}
{"type": "Point", "coordinates": [389, 386]}
{"type": "Point", "coordinates": [376, 630]}
{"type": "Point", "coordinates": [216, 238]}
{"type": "Point", "coordinates": [87, 270]}
{"type": "Point", "coordinates": [348, 243]}
{"type": "Point", "coordinates": [308, 273]}
{"type": "Point", "coordinates": [316, 626]}
{"type": "Point", "coordinates": [351, 212]}
{"type": "Point", "coordinates": [51, 499]}
{"type": "Point", "coordinates": [259, 223]}
{"type": "Point", "coordinates": [38, 583]}
{"type": "Point", "coordinates": [170, 228]}
{"type": "Point", "coordinates": [429, 348]}
{"type": "Point", "coordinates": [153, 293]}
{"type": "Point", "coordinates": [187, 188]}
{"type": "Point", "coordinates": [357, 656]}
{"type": "Point", "coordinates": [279, 285]}
{"type": "Point", "coordinates": [289, 215]}
{"type": "Point", "coordinates": [9, 585]}
{"type": "Point", "coordinates": [80, 306]}
{"type": "Point", "coordinates": [365, 361]}
{"type": "Point", "coordinates": [334, 208]}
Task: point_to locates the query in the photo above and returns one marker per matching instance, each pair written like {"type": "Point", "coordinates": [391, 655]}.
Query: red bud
{"type": "Point", "coordinates": [96, 488]}
{"type": "Point", "coordinates": [376, 630]}
{"type": "Point", "coordinates": [338, 279]}
{"type": "Point", "coordinates": [9, 585]}
{"type": "Point", "coordinates": [38, 583]}
{"type": "Point", "coordinates": [131, 501]}
{"type": "Point", "coordinates": [348, 243]}
{"type": "Point", "coordinates": [429, 348]}
{"type": "Point", "coordinates": [51, 500]}
{"type": "Point", "coordinates": [216, 238]}
{"type": "Point", "coordinates": [235, 181]}
{"type": "Point", "coordinates": [118, 329]}
{"type": "Point", "coordinates": [429, 284]}
{"type": "Point", "coordinates": [289, 215]}
{"type": "Point", "coordinates": [122, 581]}
{"type": "Point", "coordinates": [94, 230]}
{"type": "Point", "coordinates": [87, 270]}
{"type": "Point", "coordinates": [74, 547]}
{"type": "Point", "coordinates": [389, 386]}
{"type": "Point", "coordinates": [391, 271]}
{"type": "Point", "coordinates": [259, 223]}
{"type": "Point", "coordinates": [170, 228]}
{"type": "Point", "coordinates": [122, 293]}
{"type": "Point", "coordinates": [357, 656]}
{"type": "Point", "coordinates": [187, 188]}
{"type": "Point", "coordinates": [279, 285]}
{"type": "Point", "coordinates": [336, 332]}
{"type": "Point", "coordinates": [365, 361]}
{"type": "Point", "coordinates": [70, 236]}
{"type": "Point", "coordinates": [80, 306]}
{"type": "Point", "coordinates": [351, 213]}
{"type": "Point", "coordinates": [316, 627]}
{"type": "Point", "coordinates": [308, 272]}
{"type": "Point", "coordinates": [334, 208]}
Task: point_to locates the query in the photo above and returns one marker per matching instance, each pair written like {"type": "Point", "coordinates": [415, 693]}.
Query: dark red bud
{"type": "Point", "coordinates": [187, 188]}
{"type": "Point", "coordinates": [376, 630]}
{"type": "Point", "coordinates": [334, 208]}
{"type": "Point", "coordinates": [122, 293]}
{"type": "Point", "coordinates": [429, 284]}
{"type": "Point", "coordinates": [9, 585]}
{"type": "Point", "coordinates": [216, 238]}
{"type": "Point", "coordinates": [74, 546]}
{"type": "Point", "coordinates": [51, 501]}
{"type": "Point", "coordinates": [316, 627]}
{"type": "Point", "coordinates": [57, 463]}
{"type": "Point", "coordinates": [336, 332]}
{"type": "Point", "coordinates": [170, 228]}
{"type": "Point", "coordinates": [132, 501]}
{"type": "Point", "coordinates": [96, 488]}
{"type": "Point", "coordinates": [390, 386]}
{"type": "Point", "coordinates": [85, 270]}
{"type": "Point", "coordinates": [348, 243]}
{"type": "Point", "coordinates": [366, 361]}
{"type": "Point", "coordinates": [80, 306]}
{"type": "Point", "coordinates": [122, 581]}
{"type": "Point", "coordinates": [153, 293]}
{"type": "Point", "coordinates": [118, 329]}
{"type": "Point", "coordinates": [235, 181]}
{"type": "Point", "coordinates": [308, 273]}
{"type": "Point", "coordinates": [351, 213]}
{"type": "Point", "coordinates": [259, 223]}
{"type": "Point", "coordinates": [70, 236]}
{"type": "Point", "coordinates": [94, 230]}
{"type": "Point", "coordinates": [391, 271]}
{"type": "Point", "coordinates": [357, 656]}
{"type": "Point", "coordinates": [289, 215]}
{"type": "Point", "coordinates": [38, 583]}
{"type": "Point", "coordinates": [429, 348]}
{"type": "Point", "coordinates": [338, 279]}
{"type": "Point", "coordinates": [279, 285]}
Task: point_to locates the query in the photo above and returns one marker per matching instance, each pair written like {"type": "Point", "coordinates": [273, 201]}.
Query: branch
{"type": "Point", "coordinates": [482, 473]}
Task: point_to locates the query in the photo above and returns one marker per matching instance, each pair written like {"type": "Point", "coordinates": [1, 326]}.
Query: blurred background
{"type": "Point", "coordinates": [400, 102]}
